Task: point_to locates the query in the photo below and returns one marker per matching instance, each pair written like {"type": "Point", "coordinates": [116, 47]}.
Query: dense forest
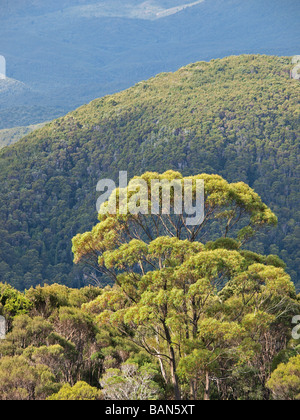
{"type": "Point", "coordinates": [183, 320]}
{"type": "Point", "coordinates": [238, 117]}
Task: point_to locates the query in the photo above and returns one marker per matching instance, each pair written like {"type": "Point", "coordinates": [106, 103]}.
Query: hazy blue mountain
{"type": "Point", "coordinates": [69, 52]}
{"type": "Point", "coordinates": [9, 136]}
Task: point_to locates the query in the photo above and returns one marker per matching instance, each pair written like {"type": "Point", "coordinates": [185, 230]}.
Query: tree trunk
{"type": "Point", "coordinates": [207, 387]}
{"type": "Point", "coordinates": [174, 377]}
{"type": "Point", "coordinates": [193, 388]}
{"type": "Point", "coordinates": [162, 369]}
{"type": "Point", "coordinates": [175, 382]}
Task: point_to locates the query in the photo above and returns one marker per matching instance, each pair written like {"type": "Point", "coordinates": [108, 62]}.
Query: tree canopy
{"type": "Point", "coordinates": [203, 310]}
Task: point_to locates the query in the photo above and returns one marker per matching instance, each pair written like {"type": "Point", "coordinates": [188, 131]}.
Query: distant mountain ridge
{"type": "Point", "coordinates": [10, 87]}
{"type": "Point", "coordinates": [114, 7]}
{"type": "Point", "coordinates": [67, 52]}
{"type": "Point", "coordinates": [148, 10]}
{"type": "Point", "coordinates": [20, 107]}
{"type": "Point", "coordinates": [9, 136]}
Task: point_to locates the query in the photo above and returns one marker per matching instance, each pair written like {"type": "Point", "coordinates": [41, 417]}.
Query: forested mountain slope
{"type": "Point", "coordinates": [238, 117]}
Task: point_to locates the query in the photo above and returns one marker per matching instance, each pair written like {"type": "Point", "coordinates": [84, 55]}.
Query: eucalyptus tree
{"type": "Point", "coordinates": [191, 297]}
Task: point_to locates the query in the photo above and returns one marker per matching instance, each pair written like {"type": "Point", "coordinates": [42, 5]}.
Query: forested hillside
{"type": "Point", "coordinates": [238, 117]}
